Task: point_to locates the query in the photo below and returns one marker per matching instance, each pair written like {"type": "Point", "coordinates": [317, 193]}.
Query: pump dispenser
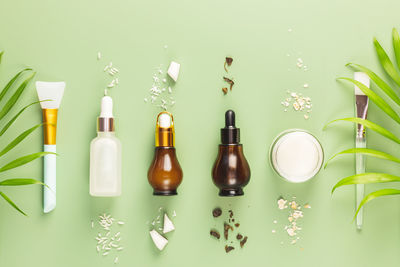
{"type": "Point", "coordinates": [165, 173]}
{"type": "Point", "coordinates": [231, 171]}
{"type": "Point", "coordinates": [105, 155]}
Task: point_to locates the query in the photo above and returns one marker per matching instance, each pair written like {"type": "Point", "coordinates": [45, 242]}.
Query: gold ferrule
{"type": "Point", "coordinates": [165, 136]}
{"type": "Point", "coordinates": [50, 126]}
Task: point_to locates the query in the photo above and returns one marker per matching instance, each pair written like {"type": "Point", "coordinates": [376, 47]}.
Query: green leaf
{"type": "Point", "coordinates": [366, 178]}
{"type": "Point", "coordinates": [386, 63]}
{"type": "Point", "coordinates": [19, 139]}
{"type": "Point", "coordinates": [8, 125]}
{"type": "Point", "coordinates": [20, 181]}
{"type": "Point", "coordinates": [11, 203]}
{"type": "Point", "coordinates": [378, 81]}
{"type": "Point", "coordinates": [396, 45]}
{"type": "Point", "coordinates": [14, 98]}
{"type": "Point", "coordinates": [369, 124]}
{"type": "Point", "coordinates": [23, 160]}
{"type": "Point", "coordinates": [366, 151]}
{"type": "Point", "coordinates": [11, 82]}
{"type": "Point", "coordinates": [375, 98]}
{"type": "Point", "coordinates": [373, 195]}
{"type": "Point", "coordinates": [1, 55]}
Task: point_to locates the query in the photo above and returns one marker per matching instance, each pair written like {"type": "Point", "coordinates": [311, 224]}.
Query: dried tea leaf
{"type": "Point", "coordinates": [239, 237]}
{"type": "Point", "coordinates": [231, 82]}
{"type": "Point", "coordinates": [217, 212]}
{"type": "Point", "coordinates": [228, 248]}
{"type": "Point", "coordinates": [243, 242]}
{"type": "Point", "coordinates": [237, 225]}
{"type": "Point", "coordinates": [230, 213]}
{"type": "Point", "coordinates": [227, 227]}
{"type": "Point", "coordinates": [225, 90]}
{"type": "Point", "coordinates": [228, 61]}
{"type": "Point", "coordinates": [215, 234]}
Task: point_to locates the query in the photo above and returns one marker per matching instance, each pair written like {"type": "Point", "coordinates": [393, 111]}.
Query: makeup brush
{"type": "Point", "coordinates": [361, 142]}
{"type": "Point", "coordinates": [50, 93]}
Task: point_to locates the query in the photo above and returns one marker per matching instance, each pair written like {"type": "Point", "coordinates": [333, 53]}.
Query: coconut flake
{"type": "Point", "coordinates": [158, 240]}
{"type": "Point", "coordinates": [173, 70]}
{"type": "Point", "coordinates": [168, 225]}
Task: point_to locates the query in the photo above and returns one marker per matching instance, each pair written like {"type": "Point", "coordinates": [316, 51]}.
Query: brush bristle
{"type": "Point", "coordinates": [363, 78]}
{"type": "Point", "coordinates": [50, 93]}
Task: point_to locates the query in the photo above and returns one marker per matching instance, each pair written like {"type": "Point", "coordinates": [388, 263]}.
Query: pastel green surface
{"type": "Point", "coordinates": [60, 39]}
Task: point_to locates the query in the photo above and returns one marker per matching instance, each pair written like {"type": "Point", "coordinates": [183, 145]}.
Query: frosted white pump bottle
{"type": "Point", "coordinates": [105, 155]}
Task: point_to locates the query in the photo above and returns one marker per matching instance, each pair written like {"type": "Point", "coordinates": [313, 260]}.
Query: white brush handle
{"type": "Point", "coordinates": [360, 168]}
{"type": "Point", "coordinates": [49, 195]}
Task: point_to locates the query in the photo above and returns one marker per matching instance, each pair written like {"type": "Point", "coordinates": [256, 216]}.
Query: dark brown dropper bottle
{"type": "Point", "coordinates": [165, 173]}
{"type": "Point", "coordinates": [231, 171]}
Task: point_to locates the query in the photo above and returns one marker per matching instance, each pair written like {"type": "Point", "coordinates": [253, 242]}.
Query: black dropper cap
{"type": "Point", "coordinates": [230, 134]}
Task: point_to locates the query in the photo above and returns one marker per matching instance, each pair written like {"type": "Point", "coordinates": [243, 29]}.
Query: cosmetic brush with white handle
{"type": "Point", "coordinates": [361, 142]}
{"type": "Point", "coordinates": [50, 95]}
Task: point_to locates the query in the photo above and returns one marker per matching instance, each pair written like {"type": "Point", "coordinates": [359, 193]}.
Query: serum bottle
{"type": "Point", "coordinates": [165, 173]}
{"type": "Point", "coordinates": [105, 155]}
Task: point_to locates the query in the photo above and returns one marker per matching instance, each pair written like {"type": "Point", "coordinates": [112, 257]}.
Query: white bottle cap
{"type": "Point", "coordinates": [106, 107]}
{"type": "Point", "coordinates": [164, 120]}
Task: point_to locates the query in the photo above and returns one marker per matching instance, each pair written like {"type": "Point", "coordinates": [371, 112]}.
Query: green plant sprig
{"type": "Point", "coordinates": [393, 73]}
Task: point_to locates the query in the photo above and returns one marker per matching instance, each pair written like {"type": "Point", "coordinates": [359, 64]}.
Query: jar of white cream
{"type": "Point", "coordinates": [296, 155]}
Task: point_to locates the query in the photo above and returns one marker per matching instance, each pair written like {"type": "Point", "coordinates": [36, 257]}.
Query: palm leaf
{"type": "Point", "coordinates": [386, 63]}
{"type": "Point", "coordinates": [375, 98]}
{"type": "Point", "coordinates": [14, 98]}
{"type": "Point", "coordinates": [5, 128]}
{"type": "Point", "coordinates": [378, 81]}
{"type": "Point", "coordinates": [20, 181]}
{"type": "Point", "coordinates": [23, 160]}
{"type": "Point", "coordinates": [371, 125]}
{"type": "Point", "coordinates": [19, 139]}
{"type": "Point", "coordinates": [1, 55]}
{"type": "Point", "coordinates": [368, 152]}
{"type": "Point", "coordinates": [396, 45]}
{"type": "Point", "coordinates": [11, 203]}
{"type": "Point", "coordinates": [11, 82]}
{"type": "Point", "coordinates": [373, 195]}
{"type": "Point", "coordinates": [366, 178]}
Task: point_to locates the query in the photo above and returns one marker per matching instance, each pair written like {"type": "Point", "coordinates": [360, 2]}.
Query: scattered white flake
{"type": "Point", "coordinates": [275, 221]}
{"type": "Point", "coordinates": [299, 103]}
{"type": "Point", "coordinates": [107, 240]}
{"type": "Point", "coordinates": [174, 214]}
{"type": "Point", "coordinates": [92, 224]}
{"type": "Point", "coordinates": [168, 225]}
{"type": "Point", "coordinates": [295, 214]}
{"type": "Point", "coordinates": [282, 204]}
{"type": "Point", "coordinates": [98, 55]}
{"type": "Point", "coordinates": [159, 89]}
{"type": "Point", "coordinates": [273, 231]}
{"type": "Point", "coordinates": [145, 100]}
{"type": "Point", "coordinates": [307, 206]}
{"type": "Point", "coordinates": [290, 30]}
{"type": "Point", "coordinates": [306, 85]}
{"type": "Point", "coordinates": [306, 116]}
{"type": "Point", "coordinates": [165, 46]}
{"type": "Point", "coordinates": [116, 260]}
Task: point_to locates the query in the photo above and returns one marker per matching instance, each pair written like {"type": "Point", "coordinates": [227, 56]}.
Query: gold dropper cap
{"type": "Point", "coordinates": [165, 132]}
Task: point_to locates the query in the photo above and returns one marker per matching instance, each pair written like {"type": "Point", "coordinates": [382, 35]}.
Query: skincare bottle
{"type": "Point", "coordinates": [165, 173]}
{"type": "Point", "coordinates": [231, 171]}
{"type": "Point", "coordinates": [105, 155]}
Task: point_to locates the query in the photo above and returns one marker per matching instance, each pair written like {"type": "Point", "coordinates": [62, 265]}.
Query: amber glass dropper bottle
{"type": "Point", "coordinates": [231, 171]}
{"type": "Point", "coordinates": [165, 173]}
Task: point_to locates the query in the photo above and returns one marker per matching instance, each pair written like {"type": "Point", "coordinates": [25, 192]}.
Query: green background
{"type": "Point", "coordinates": [60, 39]}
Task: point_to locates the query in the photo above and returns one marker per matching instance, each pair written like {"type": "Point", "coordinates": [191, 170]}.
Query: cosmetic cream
{"type": "Point", "coordinates": [296, 155]}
